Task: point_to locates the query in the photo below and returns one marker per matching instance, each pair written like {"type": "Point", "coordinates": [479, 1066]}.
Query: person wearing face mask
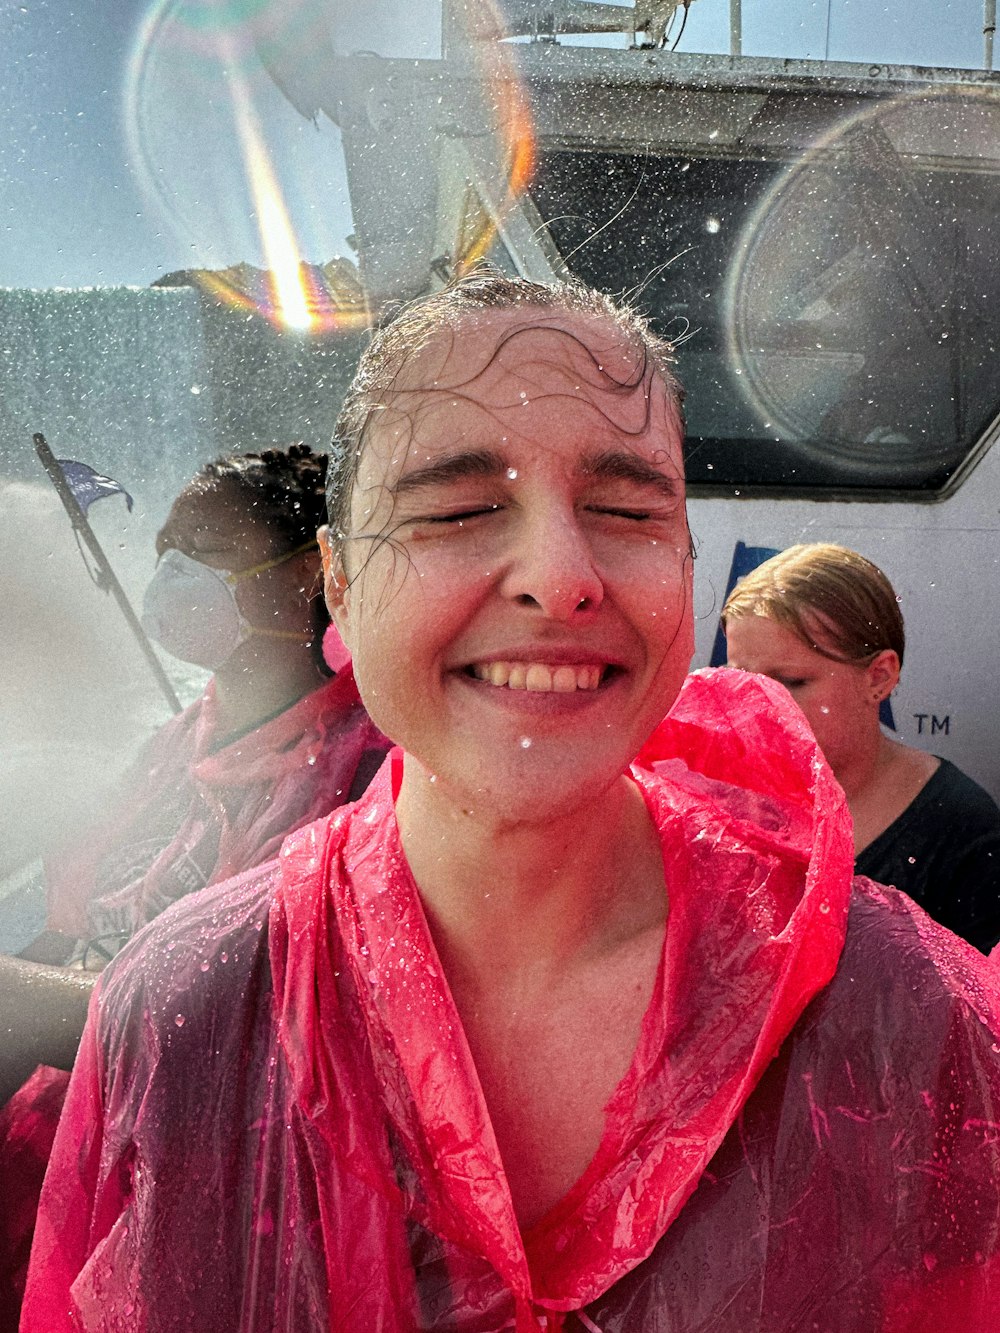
{"type": "Point", "coordinates": [274, 741]}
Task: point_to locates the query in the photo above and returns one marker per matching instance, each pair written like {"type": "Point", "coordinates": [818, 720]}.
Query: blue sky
{"type": "Point", "coordinates": [119, 161]}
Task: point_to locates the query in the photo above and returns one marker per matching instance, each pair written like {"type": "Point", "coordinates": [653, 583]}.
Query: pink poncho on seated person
{"type": "Point", "coordinates": [198, 808]}
{"type": "Point", "coordinates": [193, 812]}
{"type": "Point", "coordinates": [275, 1125]}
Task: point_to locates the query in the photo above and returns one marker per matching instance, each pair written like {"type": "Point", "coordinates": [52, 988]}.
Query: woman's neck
{"type": "Point", "coordinates": [247, 693]}
{"type": "Point", "coordinates": [879, 790]}
{"type": "Point", "coordinates": [525, 897]}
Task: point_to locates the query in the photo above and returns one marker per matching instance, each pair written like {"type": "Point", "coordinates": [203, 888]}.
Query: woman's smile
{"type": "Point", "coordinates": [538, 677]}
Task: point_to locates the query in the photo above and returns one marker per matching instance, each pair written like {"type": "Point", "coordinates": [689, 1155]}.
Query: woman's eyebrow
{"type": "Point", "coordinates": [623, 465]}
{"type": "Point", "coordinates": [452, 467]}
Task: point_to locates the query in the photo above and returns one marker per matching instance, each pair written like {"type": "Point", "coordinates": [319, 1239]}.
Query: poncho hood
{"type": "Point", "coordinates": [758, 859]}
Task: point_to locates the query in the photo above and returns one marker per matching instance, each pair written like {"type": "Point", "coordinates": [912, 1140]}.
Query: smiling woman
{"type": "Point", "coordinates": [494, 1048]}
{"type": "Point", "coordinates": [516, 520]}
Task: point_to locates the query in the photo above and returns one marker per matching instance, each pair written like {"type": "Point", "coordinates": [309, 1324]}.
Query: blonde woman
{"type": "Point", "coordinates": [825, 622]}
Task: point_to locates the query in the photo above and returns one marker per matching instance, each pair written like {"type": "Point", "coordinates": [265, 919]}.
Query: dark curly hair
{"type": "Point", "coordinates": [282, 489]}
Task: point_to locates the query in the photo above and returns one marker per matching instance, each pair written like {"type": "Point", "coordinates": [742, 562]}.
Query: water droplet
{"type": "Point", "coordinates": [824, 908]}
{"type": "Point", "coordinates": [204, 964]}
{"type": "Point", "coordinates": [525, 742]}
{"type": "Point", "coordinates": [512, 473]}
{"type": "Point", "coordinates": [713, 226]}
{"type": "Point", "coordinates": [179, 1020]}
{"type": "Point", "coordinates": [224, 956]}
{"type": "Point", "coordinates": [912, 860]}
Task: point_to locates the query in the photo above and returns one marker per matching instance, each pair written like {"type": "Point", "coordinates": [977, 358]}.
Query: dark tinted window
{"type": "Point", "coordinates": [838, 304]}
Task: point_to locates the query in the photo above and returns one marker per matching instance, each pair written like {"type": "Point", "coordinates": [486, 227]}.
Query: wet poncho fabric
{"type": "Point", "coordinates": [193, 811]}
{"type": "Point", "coordinates": [275, 1125]}
{"type": "Point", "coordinates": [197, 808]}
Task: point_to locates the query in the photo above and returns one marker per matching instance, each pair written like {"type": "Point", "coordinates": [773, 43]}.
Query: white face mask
{"type": "Point", "coordinates": [190, 609]}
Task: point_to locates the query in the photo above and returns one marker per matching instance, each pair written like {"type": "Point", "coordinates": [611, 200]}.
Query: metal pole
{"type": "Point", "coordinates": [735, 27]}
{"type": "Point", "coordinates": [108, 579]}
{"type": "Point", "coordinates": [989, 28]}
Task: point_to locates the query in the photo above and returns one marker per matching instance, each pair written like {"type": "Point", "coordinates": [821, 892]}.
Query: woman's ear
{"type": "Point", "coordinates": [883, 674]}
{"type": "Point", "coordinates": [335, 585]}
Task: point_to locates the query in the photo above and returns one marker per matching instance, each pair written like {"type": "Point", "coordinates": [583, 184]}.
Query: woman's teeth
{"type": "Point", "coordinates": [537, 676]}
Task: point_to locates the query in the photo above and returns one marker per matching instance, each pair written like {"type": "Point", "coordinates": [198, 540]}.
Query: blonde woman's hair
{"type": "Point", "coordinates": [830, 597]}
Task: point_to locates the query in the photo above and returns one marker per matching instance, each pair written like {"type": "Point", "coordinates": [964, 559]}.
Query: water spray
{"type": "Point", "coordinates": [106, 579]}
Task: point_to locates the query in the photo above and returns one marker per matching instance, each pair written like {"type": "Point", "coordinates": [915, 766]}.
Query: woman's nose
{"type": "Point", "coordinates": [553, 568]}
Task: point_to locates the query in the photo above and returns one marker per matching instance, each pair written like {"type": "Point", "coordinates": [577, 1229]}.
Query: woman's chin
{"type": "Point", "coordinates": [522, 790]}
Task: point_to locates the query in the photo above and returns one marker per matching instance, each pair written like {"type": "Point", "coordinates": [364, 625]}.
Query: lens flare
{"type": "Point", "coordinates": [289, 306]}
{"type": "Point", "coordinates": [839, 297]}
{"type": "Point", "coordinates": [229, 116]}
{"type": "Point", "coordinates": [477, 227]}
{"type": "Point", "coordinates": [206, 127]}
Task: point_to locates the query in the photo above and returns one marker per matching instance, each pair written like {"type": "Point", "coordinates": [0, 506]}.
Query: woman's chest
{"type": "Point", "coordinates": [548, 1071]}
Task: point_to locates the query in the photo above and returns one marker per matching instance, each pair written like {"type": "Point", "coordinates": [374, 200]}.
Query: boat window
{"type": "Point", "coordinates": [830, 274]}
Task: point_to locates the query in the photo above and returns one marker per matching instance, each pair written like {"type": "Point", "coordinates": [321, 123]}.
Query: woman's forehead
{"type": "Point", "coordinates": [211, 519]}
{"type": "Point", "coordinates": [526, 377]}
{"type": "Point", "coordinates": [538, 346]}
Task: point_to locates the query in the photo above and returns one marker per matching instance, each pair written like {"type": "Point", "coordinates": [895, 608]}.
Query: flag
{"type": "Point", "coordinates": [88, 485]}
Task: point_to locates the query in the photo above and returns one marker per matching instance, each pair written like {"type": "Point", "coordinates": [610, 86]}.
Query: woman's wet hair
{"type": "Point", "coordinates": [483, 290]}
{"type": "Point", "coordinates": [833, 599]}
{"type": "Point", "coordinates": [282, 490]}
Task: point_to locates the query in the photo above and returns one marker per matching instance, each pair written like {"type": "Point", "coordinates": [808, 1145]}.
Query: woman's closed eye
{"type": "Point", "coordinates": [622, 511]}
{"type": "Point", "coordinates": [460, 515]}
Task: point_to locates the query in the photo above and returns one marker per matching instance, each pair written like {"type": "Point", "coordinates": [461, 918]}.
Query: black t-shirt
{"type": "Point", "coordinates": [944, 851]}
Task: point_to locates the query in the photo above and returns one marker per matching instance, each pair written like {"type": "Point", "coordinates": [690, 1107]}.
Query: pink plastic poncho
{"type": "Point", "coordinates": [275, 1125]}
{"type": "Point", "coordinates": [194, 813]}
{"type": "Point", "coordinates": [207, 814]}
